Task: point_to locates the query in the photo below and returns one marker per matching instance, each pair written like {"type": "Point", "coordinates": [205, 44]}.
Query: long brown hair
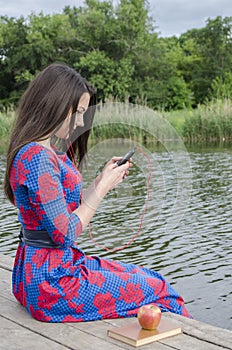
{"type": "Point", "coordinates": [43, 108]}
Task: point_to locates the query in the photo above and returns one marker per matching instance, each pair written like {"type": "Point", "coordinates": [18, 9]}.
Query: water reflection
{"type": "Point", "coordinates": [189, 244]}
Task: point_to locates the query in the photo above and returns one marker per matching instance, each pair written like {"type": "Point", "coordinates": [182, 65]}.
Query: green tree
{"type": "Point", "coordinates": [48, 39]}
{"type": "Point", "coordinates": [98, 52]}
{"type": "Point", "coordinates": [116, 47]}
{"type": "Point", "coordinates": [109, 79]}
{"type": "Point", "coordinates": [27, 45]}
{"type": "Point", "coordinates": [93, 24]}
{"type": "Point", "coordinates": [13, 38]}
{"type": "Point", "coordinates": [208, 54]}
{"type": "Point", "coordinates": [221, 88]}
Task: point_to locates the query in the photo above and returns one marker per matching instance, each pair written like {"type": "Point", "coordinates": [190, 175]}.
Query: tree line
{"type": "Point", "coordinates": [119, 50]}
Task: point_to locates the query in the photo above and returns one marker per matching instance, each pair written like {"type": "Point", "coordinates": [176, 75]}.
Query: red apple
{"type": "Point", "coordinates": [149, 316]}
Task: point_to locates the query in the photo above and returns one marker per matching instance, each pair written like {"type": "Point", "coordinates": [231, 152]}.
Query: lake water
{"type": "Point", "coordinates": [171, 214]}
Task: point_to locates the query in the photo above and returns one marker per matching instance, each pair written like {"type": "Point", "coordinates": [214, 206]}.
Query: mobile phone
{"type": "Point", "coordinates": [126, 157]}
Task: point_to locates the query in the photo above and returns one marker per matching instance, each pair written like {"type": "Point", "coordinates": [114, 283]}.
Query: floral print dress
{"type": "Point", "coordinates": [63, 284]}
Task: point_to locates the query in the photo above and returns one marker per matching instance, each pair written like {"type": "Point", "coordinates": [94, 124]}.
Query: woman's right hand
{"type": "Point", "coordinates": [112, 174]}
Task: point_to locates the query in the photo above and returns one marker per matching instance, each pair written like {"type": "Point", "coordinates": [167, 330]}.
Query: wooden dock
{"type": "Point", "coordinates": [18, 330]}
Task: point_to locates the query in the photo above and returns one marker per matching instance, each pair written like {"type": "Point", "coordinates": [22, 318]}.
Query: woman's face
{"type": "Point", "coordinates": [63, 131]}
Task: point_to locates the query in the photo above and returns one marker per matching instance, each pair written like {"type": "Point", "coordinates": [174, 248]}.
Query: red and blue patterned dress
{"type": "Point", "coordinates": [63, 284]}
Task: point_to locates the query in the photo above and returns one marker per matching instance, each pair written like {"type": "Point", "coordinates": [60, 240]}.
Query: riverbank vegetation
{"type": "Point", "coordinates": [211, 122]}
{"type": "Point", "coordinates": [6, 123]}
{"type": "Point", "coordinates": [187, 79]}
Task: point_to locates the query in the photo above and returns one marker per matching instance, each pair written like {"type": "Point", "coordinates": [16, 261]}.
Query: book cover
{"type": "Point", "coordinates": [134, 335]}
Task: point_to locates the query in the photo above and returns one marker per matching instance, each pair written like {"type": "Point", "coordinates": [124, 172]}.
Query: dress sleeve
{"type": "Point", "coordinates": [40, 177]}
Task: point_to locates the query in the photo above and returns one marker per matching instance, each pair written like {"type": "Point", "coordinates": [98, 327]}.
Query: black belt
{"type": "Point", "coordinates": [39, 239]}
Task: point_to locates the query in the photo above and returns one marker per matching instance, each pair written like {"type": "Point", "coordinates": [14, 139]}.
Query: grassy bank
{"type": "Point", "coordinates": [211, 122]}
{"type": "Point", "coordinates": [6, 122]}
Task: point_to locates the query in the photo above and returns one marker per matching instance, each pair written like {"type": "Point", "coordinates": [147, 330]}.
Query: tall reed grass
{"type": "Point", "coordinates": [131, 121]}
{"type": "Point", "coordinates": [211, 122]}
{"type": "Point", "coordinates": [6, 123]}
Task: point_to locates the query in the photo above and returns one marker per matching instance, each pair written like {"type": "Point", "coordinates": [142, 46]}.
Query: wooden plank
{"type": "Point", "coordinates": [6, 262]}
{"type": "Point", "coordinates": [86, 335]}
{"type": "Point", "coordinates": [15, 337]}
{"type": "Point", "coordinates": [63, 334]}
{"type": "Point", "coordinates": [101, 327]}
{"type": "Point", "coordinates": [5, 284]}
{"type": "Point", "coordinates": [204, 331]}
{"type": "Point", "coordinates": [188, 342]}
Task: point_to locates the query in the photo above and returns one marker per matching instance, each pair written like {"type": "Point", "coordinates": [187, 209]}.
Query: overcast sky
{"type": "Point", "coordinates": [172, 17]}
